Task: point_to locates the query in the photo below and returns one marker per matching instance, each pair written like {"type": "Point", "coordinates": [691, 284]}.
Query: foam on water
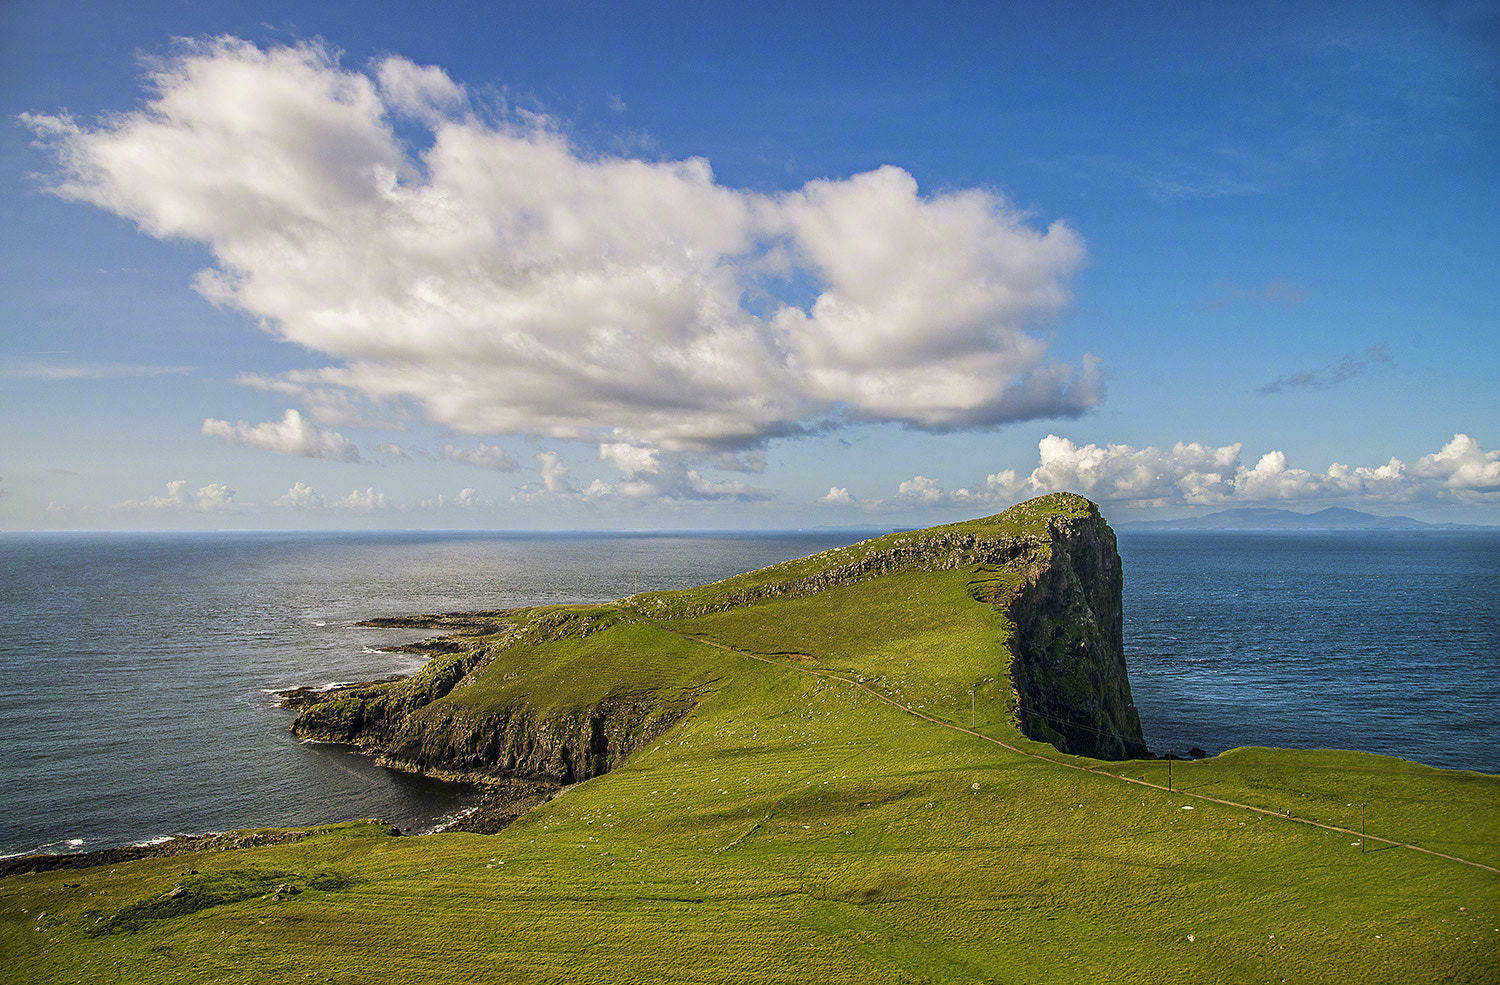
{"type": "Point", "coordinates": [167, 644]}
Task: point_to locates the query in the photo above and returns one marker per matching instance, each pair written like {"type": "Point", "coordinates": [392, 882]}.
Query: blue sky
{"type": "Point", "coordinates": [557, 265]}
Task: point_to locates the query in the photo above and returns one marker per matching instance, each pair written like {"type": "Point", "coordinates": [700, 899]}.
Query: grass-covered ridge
{"type": "Point", "coordinates": [833, 804]}
{"type": "Point", "coordinates": [1025, 524]}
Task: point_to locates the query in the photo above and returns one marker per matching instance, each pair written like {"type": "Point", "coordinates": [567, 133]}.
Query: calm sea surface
{"type": "Point", "coordinates": [135, 668]}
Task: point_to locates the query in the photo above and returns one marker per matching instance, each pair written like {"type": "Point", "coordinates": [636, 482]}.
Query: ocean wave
{"type": "Point", "coordinates": [448, 820]}
{"type": "Point", "coordinates": [158, 840]}
{"type": "Point", "coordinates": [63, 847]}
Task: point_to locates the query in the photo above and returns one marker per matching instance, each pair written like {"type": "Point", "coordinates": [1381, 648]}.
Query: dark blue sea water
{"type": "Point", "coordinates": [1376, 640]}
{"type": "Point", "coordinates": [135, 668]}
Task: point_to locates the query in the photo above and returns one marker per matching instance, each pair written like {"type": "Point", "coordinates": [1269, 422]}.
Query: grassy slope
{"type": "Point", "coordinates": [796, 828]}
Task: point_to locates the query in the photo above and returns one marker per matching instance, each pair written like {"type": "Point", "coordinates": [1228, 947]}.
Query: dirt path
{"type": "Point", "coordinates": [908, 709]}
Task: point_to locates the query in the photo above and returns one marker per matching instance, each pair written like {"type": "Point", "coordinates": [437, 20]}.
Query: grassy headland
{"type": "Point", "coordinates": [817, 772]}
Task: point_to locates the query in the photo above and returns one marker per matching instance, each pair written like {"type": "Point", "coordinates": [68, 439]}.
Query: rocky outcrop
{"type": "Point", "coordinates": [176, 845]}
{"type": "Point", "coordinates": [518, 741]}
{"type": "Point", "coordinates": [1068, 656]}
{"type": "Point", "coordinates": [921, 551]}
{"type": "Point", "coordinates": [1060, 583]}
{"type": "Point", "coordinates": [1052, 566]}
{"type": "Point", "coordinates": [407, 726]}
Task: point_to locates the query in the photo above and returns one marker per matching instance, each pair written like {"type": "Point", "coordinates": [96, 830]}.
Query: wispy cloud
{"type": "Point", "coordinates": [292, 435]}
{"type": "Point", "coordinates": [60, 370]}
{"type": "Point", "coordinates": [1308, 100]}
{"type": "Point", "coordinates": [1331, 376]}
{"type": "Point", "coordinates": [483, 456]}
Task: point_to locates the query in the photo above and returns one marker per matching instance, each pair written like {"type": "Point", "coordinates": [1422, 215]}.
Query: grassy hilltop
{"type": "Point", "coordinates": [785, 777]}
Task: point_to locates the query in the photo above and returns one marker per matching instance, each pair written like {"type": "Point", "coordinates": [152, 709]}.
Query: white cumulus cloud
{"type": "Point", "coordinates": [1186, 472]}
{"type": "Point", "coordinates": [1193, 474]}
{"type": "Point", "coordinates": [300, 496]}
{"type": "Point", "coordinates": [496, 279]}
{"type": "Point", "coordinates": [467, 498]}
{"type": "Point", "coordinates": [837, 496]}
{"type": "Point", "coordinates": [644, 474]}
{"type": "Point", "coordinates": [919, 488]}
{"type": "Point", "coordinates": [1462, 464]}
{"type": "Point", "coordinates": [484, 456]}
{"type": "Point", "coordinates": [213, 497]}
{"type": "Point", "coordinates": [292, 435]}
{"type": "Point", "coordinates": [367, 500]}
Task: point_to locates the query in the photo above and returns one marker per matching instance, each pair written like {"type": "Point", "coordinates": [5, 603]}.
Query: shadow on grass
{"type": "Point", "coordinates": [215, 889]}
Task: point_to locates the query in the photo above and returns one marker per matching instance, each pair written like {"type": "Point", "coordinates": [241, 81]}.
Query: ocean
{"type": "Point", "coordinates": [136, 670]}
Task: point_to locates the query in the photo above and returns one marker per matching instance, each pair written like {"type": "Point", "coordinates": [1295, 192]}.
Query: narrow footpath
{"type": "Point", "coordinates": [908, 709]}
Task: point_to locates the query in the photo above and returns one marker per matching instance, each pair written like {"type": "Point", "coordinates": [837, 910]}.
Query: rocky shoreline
{"type": "Point", "coordinates": [1061, 587]}
{"type": "Point", "coordinates": [176, 845]}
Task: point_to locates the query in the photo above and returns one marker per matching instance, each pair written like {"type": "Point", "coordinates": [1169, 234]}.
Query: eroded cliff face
{"type": "Point", "coordinates": [1059, 582]}
{"type": "Point", "coordinates": [1068, 655]}
{"type": "Point", "coordinates": [406, 725]}
{"type": "Point", "coordinates": [1061, 586]}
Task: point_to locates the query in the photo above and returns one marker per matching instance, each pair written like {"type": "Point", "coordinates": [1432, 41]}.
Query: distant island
{"type": "Point", "coordinates": [1269, 518]}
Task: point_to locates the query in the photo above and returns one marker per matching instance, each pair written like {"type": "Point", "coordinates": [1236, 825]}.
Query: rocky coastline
{"type": "Point", "coordinates": [1061, 588]}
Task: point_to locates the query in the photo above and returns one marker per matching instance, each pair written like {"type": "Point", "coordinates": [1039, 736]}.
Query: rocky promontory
{"type": "Point", "coordinates": [484, 709]}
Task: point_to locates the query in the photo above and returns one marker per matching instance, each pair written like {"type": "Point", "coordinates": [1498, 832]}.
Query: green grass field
{"type": "Point", "coordinates": [794, 827]}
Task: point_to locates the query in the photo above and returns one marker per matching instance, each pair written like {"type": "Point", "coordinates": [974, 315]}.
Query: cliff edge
{"type": "Point", "coordinates": [555, 695]}
{"type": "Point", "coordinates": [1068, 652]}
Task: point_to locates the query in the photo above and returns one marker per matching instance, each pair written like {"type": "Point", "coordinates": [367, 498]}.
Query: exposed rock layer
{"type": "Point", "coordinates": [406, 725]}
{"type": "Point", "coordinates": [1068, 655]}
{"type": "Point", "coordinates": [1061, 589]}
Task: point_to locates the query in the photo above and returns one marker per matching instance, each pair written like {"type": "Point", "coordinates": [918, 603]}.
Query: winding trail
{"type": "Point", "coordinates": [908, 709]}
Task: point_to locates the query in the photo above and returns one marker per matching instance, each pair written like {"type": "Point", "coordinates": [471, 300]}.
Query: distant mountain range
{"type": "Point", "coordinates": [1266, 518]}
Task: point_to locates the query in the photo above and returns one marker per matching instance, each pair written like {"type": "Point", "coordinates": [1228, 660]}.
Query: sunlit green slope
{"type": "Point", "coordinates": [835, 806]}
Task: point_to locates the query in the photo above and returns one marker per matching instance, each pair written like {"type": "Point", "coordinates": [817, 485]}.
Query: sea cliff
{"type": "Point", "coordinates": [1050, 565]}
{"type": "Point", "coordinates": [837, 769]}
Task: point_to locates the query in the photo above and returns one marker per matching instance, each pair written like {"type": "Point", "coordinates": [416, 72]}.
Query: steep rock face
{"type": "Point", "coordinates": [1068, 656]}
{"type": "Point", "coordinates": [518, 741]}
{"type": "Point", "coordinates": [407, 726]}
{"type": "Point", "coordinates": [1060, 584]}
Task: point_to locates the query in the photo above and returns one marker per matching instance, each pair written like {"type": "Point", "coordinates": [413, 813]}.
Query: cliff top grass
{"type": "Point", "coordinates": [1024, 520]}
{"type": "Point", "coordinates": [802, 825]}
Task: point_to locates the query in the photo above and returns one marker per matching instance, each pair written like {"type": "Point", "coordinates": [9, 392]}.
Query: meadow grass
{"type": "Point", "coordinates": [795, 827]}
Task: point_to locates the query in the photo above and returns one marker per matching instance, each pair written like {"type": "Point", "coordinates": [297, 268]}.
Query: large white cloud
{"type": "Point", "coordinates": [1192, 474]}
{"type": "Point", "coordinates": [292, 435]}
{"type": "Point", "coordinates": [1462, 464]}
{"type": "Point", "coordinates": [501, 281]}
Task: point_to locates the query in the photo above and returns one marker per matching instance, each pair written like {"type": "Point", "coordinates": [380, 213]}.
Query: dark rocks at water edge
{"type": "Point", "coordinates": [503, 801]}
{"type": "Point", "coordinates": [177, 845]}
